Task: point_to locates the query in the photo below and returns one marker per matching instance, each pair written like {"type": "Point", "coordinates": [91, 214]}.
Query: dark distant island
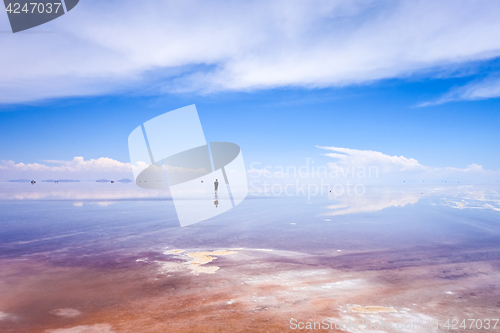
{"type": "Point", "coordinates": [19, 180]}
{"type": "Point", "coordinates": [125, 180]}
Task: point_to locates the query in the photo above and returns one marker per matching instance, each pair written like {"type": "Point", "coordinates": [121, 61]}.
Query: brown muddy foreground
{"type": "Point", "coordinates": [253, 290]}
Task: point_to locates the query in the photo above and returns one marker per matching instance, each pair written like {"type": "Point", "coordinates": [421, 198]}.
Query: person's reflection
{"type": "Point", "coordinates": [216, 200]}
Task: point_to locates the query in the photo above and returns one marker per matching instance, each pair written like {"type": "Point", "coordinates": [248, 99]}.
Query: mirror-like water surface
{"type": "Point", "coordinates": [420, 248]}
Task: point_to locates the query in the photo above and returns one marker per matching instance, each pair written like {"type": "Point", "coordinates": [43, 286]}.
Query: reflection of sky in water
{"type": "Point", "coordinates": [76, 220]}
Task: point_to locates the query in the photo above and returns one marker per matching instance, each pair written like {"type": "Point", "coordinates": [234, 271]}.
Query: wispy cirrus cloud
{"type": "Point", "coordinates": [196, 46]}
{"type": "Point", "coordinates": [486, 88]}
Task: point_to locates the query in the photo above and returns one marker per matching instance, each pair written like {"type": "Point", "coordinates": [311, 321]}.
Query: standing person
{"type": "Point", "coordinates": [216, 184]}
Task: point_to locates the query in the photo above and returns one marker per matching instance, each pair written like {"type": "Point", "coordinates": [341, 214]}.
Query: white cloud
{"type": "Point", "coordinates": [102, 47]}
{"type": "Point", "coordinates": [349, 163]}
{"type": "Point", "coordinates": [386, 163]}
{"type": "Point", "coordinates": [488, 87]}
{"type": "Point", "coordinates": [78, 168]}
{"type": "Point", "coordinates": [352, 162]}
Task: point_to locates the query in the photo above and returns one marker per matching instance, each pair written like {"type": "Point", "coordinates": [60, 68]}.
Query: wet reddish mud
{"type": "Point", "coordinates": [252, 291]}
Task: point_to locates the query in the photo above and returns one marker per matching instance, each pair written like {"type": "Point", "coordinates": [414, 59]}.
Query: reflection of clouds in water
{"type": "Point", "coordinates": [371, 202]}
{"type": "Point", "coordinates": [97, 328]}
{"type": "Point", "coordinates": [375, 199]}
{"type": "Point", "coordinates": [90, 192]}
{"type": "Point", "coordinates": [473, 198]}
{"type": "Point", "coordinates": [82, 194]}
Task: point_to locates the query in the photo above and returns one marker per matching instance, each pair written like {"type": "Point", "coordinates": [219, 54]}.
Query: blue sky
{"type": "Point", "coordinates": [418, 80]}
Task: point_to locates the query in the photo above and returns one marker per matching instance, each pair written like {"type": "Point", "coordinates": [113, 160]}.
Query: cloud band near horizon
{"type": "Point", "coordinates": [388, 167]}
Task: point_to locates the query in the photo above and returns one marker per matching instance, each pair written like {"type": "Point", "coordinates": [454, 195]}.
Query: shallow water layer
{"type": "Point", "coordinates": [112, 258]}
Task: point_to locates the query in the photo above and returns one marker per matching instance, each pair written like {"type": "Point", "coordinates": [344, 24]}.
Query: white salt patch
{"type": "Point", "coordinates": [104, 203]}
{"type": "Point", "coordinates": [78, 204]}
{"type": "Point", "coordinates": [230, 302]}
{"type": "Point", "coordinates": [343, 284]}
{"type": "Point", "coordinates": [5, 316]}
{"type": "Point", "coordinates": [66, 312]}
{"type": "Point", "coordinates": [98, 328]}
{"type": "Point", "coordinates": [449, 293]}
{"type": "Point", "coordinates": [171, 266]}
{"type": "Point", "coordinates": [175, 251]}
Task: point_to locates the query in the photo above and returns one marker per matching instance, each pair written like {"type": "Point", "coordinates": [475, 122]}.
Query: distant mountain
{"type": "Point", "coordinates": [125, 180]}
{"type": "Point", "coordinates": [103, 181]}
{"type": "Point", "coordinates": [20, 180]}
{"type": "Point", "coordinates": [61, 180]}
